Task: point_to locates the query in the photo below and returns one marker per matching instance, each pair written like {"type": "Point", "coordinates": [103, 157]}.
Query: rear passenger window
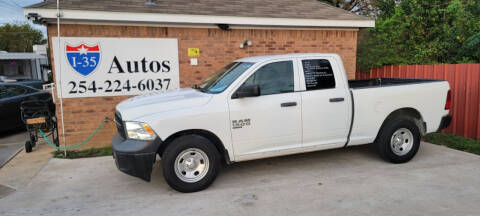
{"type": "Point", "coordinates": [318, 74]}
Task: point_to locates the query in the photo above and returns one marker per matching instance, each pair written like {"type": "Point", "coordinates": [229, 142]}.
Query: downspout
{"type": "Point", "coordinates": [60, 82]}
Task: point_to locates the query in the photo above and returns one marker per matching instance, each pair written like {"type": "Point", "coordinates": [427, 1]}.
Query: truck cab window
{"type": "Point", "coordinates": [273, 78]}
{"type": "Point", "coordinates": [225, 77]}
{"type": "Point", "coordinates": [318, 74]}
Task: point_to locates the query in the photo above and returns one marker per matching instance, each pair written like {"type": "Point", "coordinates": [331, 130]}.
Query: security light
{"type": "Point", "coordinates": [246, 43]}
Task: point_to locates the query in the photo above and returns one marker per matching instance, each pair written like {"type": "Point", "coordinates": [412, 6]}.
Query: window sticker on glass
{"type": "Point", "coordinates": [318, 74]}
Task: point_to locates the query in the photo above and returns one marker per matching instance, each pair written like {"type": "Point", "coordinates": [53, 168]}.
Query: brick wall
{"type": "Point", "coordinates": [217, 48]}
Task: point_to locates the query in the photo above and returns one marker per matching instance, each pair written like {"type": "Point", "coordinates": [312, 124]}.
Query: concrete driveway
{"type": "Point", "coordinates": [353, 181]}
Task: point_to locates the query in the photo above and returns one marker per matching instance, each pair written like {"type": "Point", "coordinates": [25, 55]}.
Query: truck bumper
{"type": "Point", "coordinates": [446, 120]}
{"type": "Point", "coordinates": [135, 157]}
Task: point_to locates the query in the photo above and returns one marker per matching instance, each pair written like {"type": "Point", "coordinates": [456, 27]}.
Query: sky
{"type": "Point", "coordinates": [11, 11]}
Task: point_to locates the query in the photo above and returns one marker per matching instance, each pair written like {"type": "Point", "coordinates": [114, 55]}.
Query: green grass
{"type": "Point", "coordinates": [454, 141]}
{"type": "Point", "coordinates": [92, 152]}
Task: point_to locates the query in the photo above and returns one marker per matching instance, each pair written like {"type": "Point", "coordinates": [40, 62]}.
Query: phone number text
{"type": "Point", "coordinates": [80, 87]}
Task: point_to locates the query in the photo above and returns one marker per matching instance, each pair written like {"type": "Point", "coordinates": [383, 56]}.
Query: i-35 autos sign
{"type": "Point", "coordinates": [98, 67]}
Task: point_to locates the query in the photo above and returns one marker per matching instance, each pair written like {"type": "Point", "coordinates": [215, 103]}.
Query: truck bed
{"type": "Point", "coordinates": [382, 82]}
{"type": "Point", "coordinates": [375, 99]}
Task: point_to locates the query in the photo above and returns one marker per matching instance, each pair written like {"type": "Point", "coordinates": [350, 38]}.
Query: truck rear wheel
{"type": "Point", "coordinates": [190, 163]}
{"type": "Point", "coordinates": [398, 140]}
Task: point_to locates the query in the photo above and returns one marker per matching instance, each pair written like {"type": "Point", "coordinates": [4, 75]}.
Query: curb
{"type": "Point", "coordinates": [6, 190]}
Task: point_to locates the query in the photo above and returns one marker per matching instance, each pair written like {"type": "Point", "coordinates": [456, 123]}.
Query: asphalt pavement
{"type": "Point", "coordinates": [11, 142]}
{"type": "Point", "coordinates": [7, 151]}
{"type": "Point", "coordinates": [353, 181]}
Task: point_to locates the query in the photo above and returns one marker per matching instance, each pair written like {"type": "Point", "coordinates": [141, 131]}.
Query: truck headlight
{"type": "Point", "coordinates": [139, 130]}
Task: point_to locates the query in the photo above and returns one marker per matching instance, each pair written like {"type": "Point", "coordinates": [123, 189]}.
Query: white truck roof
{"type": "Point", "coordinates": [291, 55]}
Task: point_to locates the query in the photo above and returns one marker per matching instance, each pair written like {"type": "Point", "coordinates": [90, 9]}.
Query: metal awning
{"type": "Point", "coordinates": [20, 56]}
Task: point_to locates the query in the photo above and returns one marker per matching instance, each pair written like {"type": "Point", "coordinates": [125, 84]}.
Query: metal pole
{"type": "Point", "coordinates": [60, 80]}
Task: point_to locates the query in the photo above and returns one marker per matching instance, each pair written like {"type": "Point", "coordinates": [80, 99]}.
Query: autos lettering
{"type": "Point", "coordinates": [145, 66]}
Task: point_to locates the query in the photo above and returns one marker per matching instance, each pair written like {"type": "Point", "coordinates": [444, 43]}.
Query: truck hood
{"type": "Point", "coordinates": [156, 102]}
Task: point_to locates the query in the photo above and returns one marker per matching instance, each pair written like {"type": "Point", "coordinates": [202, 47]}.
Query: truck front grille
{"type": "Point", "coordinates": [119, 123]}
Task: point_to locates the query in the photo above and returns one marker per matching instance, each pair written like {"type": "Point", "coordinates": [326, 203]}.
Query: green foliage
{"type": "Point", "coordinates": [92, 152]}
{"type": "Point", "coordinates": [454, 141]}
{"type": "Point", "coordinates": [373, 8]}
{"type": "Point", "coordinates": [19, 37]}
{"type": "Point", "coordinates": [385, 8]}
{"type": "Point", "coordinates": [471, 48]}
{"type": "Point", "coordinates": [364, 7]}
{"type": "Point", "coordinates": [422, 32]}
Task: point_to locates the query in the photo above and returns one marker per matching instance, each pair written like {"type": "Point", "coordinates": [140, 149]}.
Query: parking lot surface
{"type": "Point", "coordinates": [11, 142]}
{"type": "Point", "coordinates": [353, 181]}
{"type": "Point", "coordinates": [7, 151]}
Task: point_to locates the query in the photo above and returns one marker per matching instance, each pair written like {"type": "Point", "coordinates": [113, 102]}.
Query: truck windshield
{"type": "Point", "coordinates": [225, 77]}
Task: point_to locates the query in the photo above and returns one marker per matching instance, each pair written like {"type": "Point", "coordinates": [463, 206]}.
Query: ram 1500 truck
{"type": "Point", "coordinates": [267, 106]}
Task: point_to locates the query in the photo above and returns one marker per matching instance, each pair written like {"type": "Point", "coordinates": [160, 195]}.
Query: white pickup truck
{"type": "Point", "coordinates": [267, 106]}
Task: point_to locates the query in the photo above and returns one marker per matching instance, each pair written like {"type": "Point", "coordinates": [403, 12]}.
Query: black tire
{"type": "Point", "coordinates": [385, 145]}
{"type": "Point", "coordinates": [55, 137]}
{"type": "Point", "coordinates": [179, 146]}
{"type": "Point", "coordinates": [33, 141]}
{"type": "Point", "coordinates": [28, 146]}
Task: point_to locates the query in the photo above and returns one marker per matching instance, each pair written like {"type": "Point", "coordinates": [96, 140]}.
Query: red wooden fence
{"type": "Point", "coordinates": [464, 82]}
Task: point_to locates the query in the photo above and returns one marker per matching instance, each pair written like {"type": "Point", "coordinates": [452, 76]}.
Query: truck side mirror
{"type": "Point", "coordinates": [247, 91]}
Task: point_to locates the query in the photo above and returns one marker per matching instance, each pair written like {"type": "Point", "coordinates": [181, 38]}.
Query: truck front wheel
{"type": "Point", "coordinates": [398, 140]}
{"type": "Point", "coordinates": [190, 163]}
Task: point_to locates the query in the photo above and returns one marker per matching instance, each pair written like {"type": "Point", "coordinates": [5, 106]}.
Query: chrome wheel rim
{"type": "Point", "coordinates": [191, 165]}
{"type": "Point", "coordinates": [402, 141]}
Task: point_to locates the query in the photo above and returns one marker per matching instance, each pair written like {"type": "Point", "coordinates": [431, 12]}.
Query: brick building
{"type": "Point", "coordinates": [215, 27]}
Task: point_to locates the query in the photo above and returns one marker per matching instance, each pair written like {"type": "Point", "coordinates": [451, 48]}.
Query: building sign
{"type": "Point", "coordinates": [193, 52]}
{"type": "Point", "coordinates": [98, 67]}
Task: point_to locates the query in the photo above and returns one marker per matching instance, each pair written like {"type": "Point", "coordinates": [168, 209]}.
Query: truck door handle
{"type": "Point", "coordinates": [333, 100]}
{"type": "Point", "coordinates": [288, 104]}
